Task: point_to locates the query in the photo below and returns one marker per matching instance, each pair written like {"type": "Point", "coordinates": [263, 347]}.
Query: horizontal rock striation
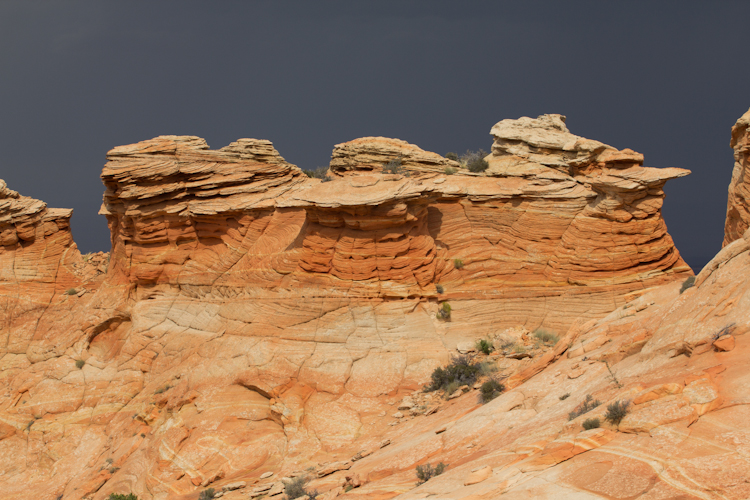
{"type": "Point", "coordinates": [253, 319]}
{"type": "Point", "coordinates": [372, 154]}
{"type": "Point", "coordinates": [738, 202]}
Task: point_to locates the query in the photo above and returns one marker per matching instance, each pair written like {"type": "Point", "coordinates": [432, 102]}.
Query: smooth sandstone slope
{"type": "Point", "coordinates": [253, 319]}
{"type": "Point", "coordinates": [738, 203]}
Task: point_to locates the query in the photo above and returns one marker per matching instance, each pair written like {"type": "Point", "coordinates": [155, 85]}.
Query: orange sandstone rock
{"type": "Point", "coordinates": [738, 203]}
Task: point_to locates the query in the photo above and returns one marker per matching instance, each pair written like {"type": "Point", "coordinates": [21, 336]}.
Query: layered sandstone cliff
{"type": "Point", "coordinates": [738, 203]}
{"type": "Point", "coordinates": [253, 319]}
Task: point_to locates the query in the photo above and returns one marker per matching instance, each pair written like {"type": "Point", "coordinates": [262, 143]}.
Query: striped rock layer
{"type": "Point", "coordinates": [253, 319]}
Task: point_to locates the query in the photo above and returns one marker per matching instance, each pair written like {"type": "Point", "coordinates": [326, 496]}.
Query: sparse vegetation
{"type": "Point", "coordinates": [426, 472]}
{"type": "Point", "coordinates": [490, 390]}
{"type": "Point", "coordinates": [487, 368]}
{"type": "Point", "coordinates": [458, 263]}
{"type": "Point", "coordinates": [474, 161]}
{"type": "Point", "coordinates": [485, 346]}
{"type": "Point", "coordinates": [207, 494]}
{"type": "Point", "coordinates": [688, 283]}
{"type": "Point", "coordinates": [444, 312]}
{"type": "Point", "coordinates": [121, 496]}
{"type": "Point", "coordinates": [296, 488]}
{"type": "Point", "coordinates": [616, 412]}
{"type": "Point", "coordinates": [545, 336]}
{"type": "Point", "coordinates": [565, 396]}
{"type": "Point", "coordinates": [71, 291]}
{"type": "Point", "coordinates": [162, 389]}
{"type": "Point", "coordinates": [80, 363]}
{"type": "Point", "coordinates": [451, 156]}
{"type": "Point", "coordinates": [612, 375]}
{"type": "Point", "coordinates": [394, 167]}
{"type": "Point", "coordinates": [449, 171]}
{"type": "Point", "coordinates": [461, 370]}
{"type": "Point", "coordinates": [317, 173]}
{"type": "Point", "coordinates": [586, 406]}
{"type": "Point", "coordinates": [591, 423]}
{"type": "Point", "coordinates": [439, 288]}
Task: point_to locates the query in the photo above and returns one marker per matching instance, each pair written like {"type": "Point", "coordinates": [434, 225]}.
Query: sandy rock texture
{"type": "Point", "coordinates": [738, 203]}
{"type": "Point", "coordinates": [254, 320]}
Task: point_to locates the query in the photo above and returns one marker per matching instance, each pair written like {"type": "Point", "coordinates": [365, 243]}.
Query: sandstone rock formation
{"type": "Point", "coordinates": [253, 320]}
{"type": "Point", "coordinates": [738, 204]}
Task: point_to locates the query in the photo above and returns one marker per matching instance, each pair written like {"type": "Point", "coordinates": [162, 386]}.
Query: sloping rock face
{"type": "Point", "coordinates": [738, 203]}
{"type": "Point", "coordinates": [253, 319]}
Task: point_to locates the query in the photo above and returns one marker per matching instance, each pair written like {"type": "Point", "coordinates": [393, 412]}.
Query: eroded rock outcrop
{"type": "Point", "coordinates": [254, 320]}
{"type": "Point", "coordinates": [738, 203]}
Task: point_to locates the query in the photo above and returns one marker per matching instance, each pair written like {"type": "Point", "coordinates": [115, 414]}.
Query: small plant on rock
{"type": "Point", "coordinates": [474, 161]}
{"type": "Point", "coordinates": [586, 406]}
{"type": "Point", "coordinates": [490, 390]}
{"type": "Point", "coordinates": [80, 363]}
{"type": "Point", "coordinates": [207, 494]}
{"type": "Point", "coordinates": [688, 283]}
{"type": "Point", "coordinates": [485, 346]}
{"type": "Point", "coordinates": [591, 423]}
{"type": "Point", "coordinates": [121, 496]}
{"type": "Point", "coordinates": [461, 370]}
{"type": "Point", "coordinates": [444, 312]}
{"type": "Point", "coordinates": [616, 412]}
{"type": "Point", "coordinates": [449, 171]}
{"type": "Point", "coordinates": [458, 263]}
{"type": "Point", "coordinates": [439, 288]}
{"type": "Point", "coordinates": [426, 472]}
{"type": "Point", "coordinates": [296, 488]}
{"type": "Point", "coordinates": [451, 156]}
{"type": "Point", "coordinates": [394, 167]}
{"type": "Point", "coordinates": [71, 291]}
{"type": "Point", "coordinates": [545, 336]}
{"type": "Point", "coordinates": [565, 396]}
{"type": "Point", "coordinates": [318, 173]}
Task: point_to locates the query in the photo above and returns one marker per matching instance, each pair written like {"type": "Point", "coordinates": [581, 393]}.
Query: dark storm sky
{"type": "Point", "coordinates": [666, 78]}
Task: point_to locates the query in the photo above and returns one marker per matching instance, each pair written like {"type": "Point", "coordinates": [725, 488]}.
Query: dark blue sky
{"type": "Point", "coordinates": [665, 78]}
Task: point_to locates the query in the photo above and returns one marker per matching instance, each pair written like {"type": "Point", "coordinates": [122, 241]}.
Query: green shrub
{"type": "Point", "coordinates": [688, 283]}
{"type": "Point", "coordinates": [207, 494]}
{"type": "Point", "coordinates": [394, 167]}
{"type": "Point", "coordinates": [162, 389]}
{"type": "Point", "coordinates": [545, 336]}
{"type": "Point", "coordinates": [458, 263]}
{"type": "Point", "coordinates": [616, 412]}
{"type": "Point", "coordinates": [445, 311]}
{"type": "Point", "coordinates": [591, 423]}
{"type": "Point", "coordinates": [461, 370]}
{"type": "Point", "coordinates": [426, 472]}
{"type": "Point", "coordinates": [439, 288]}
{"type": "Point", "coordinates": [490, 390]}
{"type": "Point", "coordinates": [474, 161]}
{"type": "Point", "coordinates": [120, 496]}
{"type": "Point", "coordinates": [485, 346]}
{"type": "Point", "coordinates": [318, 173]}
{"type": "Point", "coordinates": [296, 488]}
{"type": "Point", "coordinates": [586, 406]}
{"type": "Point", "coordinates": [449, 171]}
{"type": "Point", "coordinates": [565, 396]}
{"type": "Point", "coordinates": [80, 363]}
{"type": "Point", "coordinates": [450, 389]}
{"type": "Point", "coordinates": [451, 156]}
{"type": "Point", "coordinates": [71, 291]}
